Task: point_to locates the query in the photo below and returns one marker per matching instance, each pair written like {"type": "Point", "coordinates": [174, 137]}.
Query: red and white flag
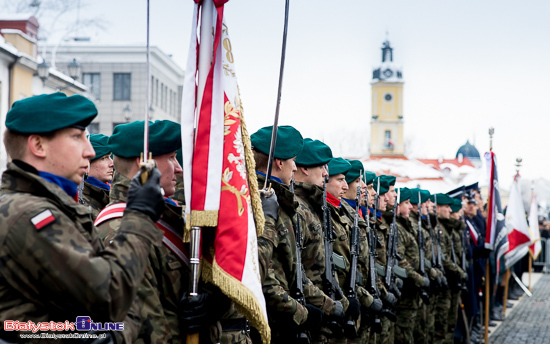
{"type": "Point", "coordinates": [534, 230]}
{"type": "Point", "coordinates": [218, 184]}
{"type": "Point", "coordinates": [519, 237]}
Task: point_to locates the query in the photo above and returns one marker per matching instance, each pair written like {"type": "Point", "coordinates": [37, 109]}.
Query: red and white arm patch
{"type": "Point", "coordinates": [43, 219]}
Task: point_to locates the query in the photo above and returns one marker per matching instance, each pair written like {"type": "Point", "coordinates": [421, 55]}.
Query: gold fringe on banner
{"type": "Point", "coordinates": [252, 179]}
{"type": "Point", "coordinates": [245, 301]}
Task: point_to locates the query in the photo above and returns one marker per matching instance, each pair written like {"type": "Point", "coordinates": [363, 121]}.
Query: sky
{"type": "Point", "coordinates": [467, 65]}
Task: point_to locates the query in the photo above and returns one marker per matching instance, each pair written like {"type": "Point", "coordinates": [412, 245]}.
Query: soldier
{"type": "Point", "coordinates": [167, 275]}
{"type": "Point", "coordinates": [277, 245]}
{"type": "Point", "coordinates": [336, 188]}
{"type": "Point", "coordinates": [369, 306]}
{"type": "Point", "coordinates": [453, 272]}
{"type": "Point", "coordinates": [310, 173]}
{"type": "Point", "coordinates": [408, 250]}
{"type": "Point", "coordinates": [95, 193]}
{"type": "Point", "coordinates": [54, 267]}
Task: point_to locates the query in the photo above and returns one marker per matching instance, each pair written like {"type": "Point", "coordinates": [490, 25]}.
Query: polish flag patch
{"type": "Point", "coordinates": [43, 219]}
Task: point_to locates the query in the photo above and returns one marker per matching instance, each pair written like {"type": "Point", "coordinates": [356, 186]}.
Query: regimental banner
{"type": "Point", "coordinates": [534, 230]}
{"type": "Point", "coordinates": [496, 238]}
{"type": "Point", "coordinates": [220, 184]}
{"type": "Point", "coordinates": [519, 237]}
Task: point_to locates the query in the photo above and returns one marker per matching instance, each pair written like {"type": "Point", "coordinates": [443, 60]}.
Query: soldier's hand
{"type": "Point", "coordinates": [146, 198]}
{"type": "Point", "coordinates": [376, 306]}
{"type": "Point", "coordinates": [426, 282]}
{"type": "Point", "coordinates": [194, 312]}
{"type": "Point", "coordinates": [270, 205]}
{"type": "Point", "coordinates": [338, 310]}
{"type": "Point", "coordinates": [314, 318]}
{"type": "Point", "coordinates": [464, 276]}
{"type": "Point", "coordinates": [354, 308]}
{"type": "Point", "coordinates": [444, 282]}
{"type": "Point", "coordinates": [390, 300]}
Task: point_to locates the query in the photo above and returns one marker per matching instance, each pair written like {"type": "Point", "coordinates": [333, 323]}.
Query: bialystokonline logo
{"type": "Point", "coordinates": [83, 323]}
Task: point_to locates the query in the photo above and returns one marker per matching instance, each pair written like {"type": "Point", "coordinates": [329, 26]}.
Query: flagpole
{"type": "Point", "coordinates": [204, 64]}
{"type": "Point", "coordinates": [487, 267]}
{"type": "Point", "coordinates": [531, 254]}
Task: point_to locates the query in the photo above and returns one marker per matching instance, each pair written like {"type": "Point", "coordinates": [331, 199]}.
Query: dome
{"type": "Point", "coordinates": [468, 151]}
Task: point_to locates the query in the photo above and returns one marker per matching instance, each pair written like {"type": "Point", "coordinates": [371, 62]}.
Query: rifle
{"type": "Point", "coordinates": [351, 328]}
{"type": "Point", "coordinates": [330, 285]}
{"type": "Point", "coordinates": [439, 233]}
{"type": "Point", "coordinates": [465, 243]}
{"type": "Point", "coordinates": [302, 337]}
{"type": "Point", "coordinates": [391, 254]}
{"type": "Point", "coordinates": [423, 294]}
{"type": "Point", "coordinates": [373, 287]}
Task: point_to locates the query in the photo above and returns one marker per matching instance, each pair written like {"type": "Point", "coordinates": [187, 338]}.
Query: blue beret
{"type": "Point", "coordinates": [289, 142]}
{"type": "Point", "coordinates": [127, 139]}
{"type": "Point", "coordinates": [100, 143]}
{"type": "Point", "coordinates": [47, 113]}
{"type": "Point", "coordinates": [314, 153]}
{"type": "Point", "coordinates": [355, 170]}
{"type": "Point", "coordinates": [338, 166]}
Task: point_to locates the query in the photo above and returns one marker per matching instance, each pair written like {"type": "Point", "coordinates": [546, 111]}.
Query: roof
{"type": "Point", "coordinates": [439, 164]}
{"type": "Point", "coordinates": [468, 151]}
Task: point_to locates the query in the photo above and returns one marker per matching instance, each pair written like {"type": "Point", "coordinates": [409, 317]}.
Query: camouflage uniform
{"type": "Point", "coordinates": [452, 273]}
{"type": "Point", "coordinates": [423, 331]}
{"type": "Point", "coordinates": [86, 278]}
{"type": "Point", "coordinates": [456, 227]}
{"type": "Point", "coordinates": [277, 257]}
{"type": "Point", "coordinates": [408, 305]}
{"type": "Point", "coordinates": [310, 201]}
{"type": "Point", "coordinates": [166, 277]}
{"type": "Point", "coordinates": [94, 197]}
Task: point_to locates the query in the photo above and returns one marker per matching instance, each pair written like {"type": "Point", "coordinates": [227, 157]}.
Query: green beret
{"type": "Point", "coordinates": [390, 179]}
{"type": "Point", "coordinates": [384, 185]}
{"type": "Point", "coordinates": [100, 143]}
{"type": "Point", "coordinates": [338, 166]}
{"type": "Point", "coordinates": [456, 206]}
{"type": "Point", "coordinates": [442, 199]}
{"type": "Point", "coordinates": [355, 170]}
{"type": "Point", "coordinates": [404, 194]}
{"type": "Point", "coordinates": [425, 195]}
{"type": "Point", "coordinates": [314, 153]}
{"type": "Point", "coordinates": [369, 177]}
{"type": "Point", "coordinates": [47, 113]}
{"type": "Point", "coordinates": [127, 139]}
{"type": "Point", "coordinates": [289, 142]}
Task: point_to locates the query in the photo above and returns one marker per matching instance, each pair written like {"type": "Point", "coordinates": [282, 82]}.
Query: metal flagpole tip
{"type": "Point", "coordinates": [491, 131]}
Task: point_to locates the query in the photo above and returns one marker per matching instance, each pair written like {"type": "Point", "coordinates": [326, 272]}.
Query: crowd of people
{"type": "Point", "coordinates": [346, 256]}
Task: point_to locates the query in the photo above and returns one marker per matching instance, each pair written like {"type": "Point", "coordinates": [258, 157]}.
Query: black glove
{"type": "Point", "coordinates": [270, 205]}
{"type": "Point", "coordinates": [390, 300]}
{"type": "Point", "coordinates": [354, 308]}
{"type": "Point", "coordinates": [146, 198]}
{"type": "Point", "coordinates": [314, 319]}
{"type": "Point", "coordinates": [194, 312]}
{"type": "Point", "coordinates": [376, 306]}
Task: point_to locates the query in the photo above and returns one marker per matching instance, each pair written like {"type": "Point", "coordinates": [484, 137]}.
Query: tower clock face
{"type": "Point", "coordinates": [388, 73]}
{"type": "Point", "coordinates": [388, 97]}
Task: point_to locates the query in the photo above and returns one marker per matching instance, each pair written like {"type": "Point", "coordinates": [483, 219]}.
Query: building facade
{"type": "Point", "coordinates": [116, 76]}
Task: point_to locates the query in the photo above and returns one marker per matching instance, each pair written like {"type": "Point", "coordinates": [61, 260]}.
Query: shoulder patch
{"type": "Point", "coordinates": [43, 219]}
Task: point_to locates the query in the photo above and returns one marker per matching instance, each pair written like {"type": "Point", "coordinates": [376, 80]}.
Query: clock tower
{"type": "Point", "coordinates": [387, 107]}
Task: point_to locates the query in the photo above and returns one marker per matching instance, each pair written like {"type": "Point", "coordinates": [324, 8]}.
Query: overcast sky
{"type": "Point", "coordinates": [467, 65]}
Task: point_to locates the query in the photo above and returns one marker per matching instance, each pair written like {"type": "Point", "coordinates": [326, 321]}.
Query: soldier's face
{"type": "Point", "coordinates": [316, 175]}
{"type": "Point", "coordinates": [102, 169]}
{"type": "Point", "coordinates": [444, 210]}
{"type": "Point", "coordinates": [425, 208]}
{"type": "Point", "coordinates": [470, 209]}
{"type": "Point", "coordinates": [337, 186]}
{"type": "Point", "coordinates": [456, 215]}
{"type": "Point", "coordinates": [383, 201]}
{"type": "Point", "coordinates": [168, 167]}
{"type": "Point", "coordinates": [351, 193]}
{"type": "Point", "coordinates": [67, 154]}
{"type": "Point", "coordinates": [391, 196]}
{"type": "Point", "coordinates": [405, 208]}
{"type": "Point", "coordinates": [430, 206]}
{"type": "Point", "coordinates": [284, 169]}
{"type": "Point", "coordinates": [371, 193]}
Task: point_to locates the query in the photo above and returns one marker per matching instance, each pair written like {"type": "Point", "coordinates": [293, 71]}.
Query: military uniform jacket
{"type": "Point", "coordinates": [166, 276]}
{"type": "Point", "coordinates": [94, 197]}
{"type": "Point", "coordinates": [57, 268]}
{"type": "Point", "coordinates": [278, 264]}
{"type": "Point", "coordinates": [381, 233]}
{"type": "Point", "coordinates": [408, 249]}
{"type": "Point", "coordinates": [413, 217]}
{"type": "Point", "coordinates": [451, 269]}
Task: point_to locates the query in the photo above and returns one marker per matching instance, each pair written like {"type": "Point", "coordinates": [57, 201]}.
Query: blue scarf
{"type": "Point", "coordinates": [278, 180]}
{"type": "Point", "coordinates": [378, 213]}
{"type": "Point", "coordinates": [99, 184]}
{"type": "Point", "coordinates": [352, 204]}
{"type": "Point", "coordinates": [170, 201]}
{"type": "Point", "coordinates": [67, 185]}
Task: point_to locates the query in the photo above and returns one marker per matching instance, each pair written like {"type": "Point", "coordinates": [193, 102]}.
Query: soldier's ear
{"type": "Point", "coordinates": [305, 170]}
{"type": "Point", "coordinates": [36, 145]}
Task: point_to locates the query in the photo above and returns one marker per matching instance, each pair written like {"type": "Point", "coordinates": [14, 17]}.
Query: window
{"type": "Point", "coordinates": [157, 92]}
{"type": "Point", "coordinates": [388, 144]}
{"type": "Point", "coordinates": [122, 86]}
{"type": "Point", "coordinates": [93, 128]}
{"type": "Point", "coordinates": [91, 80]}
{"type": "Point", "coordinates": [152, 86]}
{"type": "Point", "coordinates": [161, 95]}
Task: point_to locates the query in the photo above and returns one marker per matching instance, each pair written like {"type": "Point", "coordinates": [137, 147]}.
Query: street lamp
{"type": "Point", "coordinates": [43, 70]}
{"type": "Point", "coordinates": [151, 112]}
{"type": "Point", "coordinates": [74, 69]}
{"type": "Point", "coordinates": [127, 113]}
